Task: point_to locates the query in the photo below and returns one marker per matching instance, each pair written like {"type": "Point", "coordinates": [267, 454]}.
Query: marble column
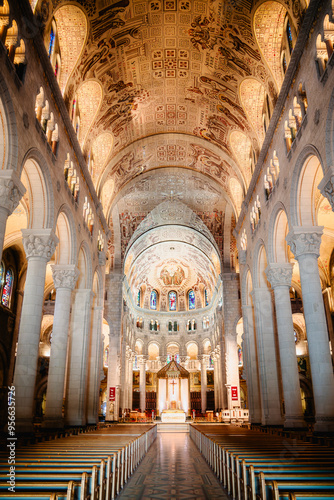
{"type": "Point", "coordinates": [76, 398]}
{"type": "Point", "coordinates": [11, 191]}
{"type": "Point", "coordinates": [266, 350]}
{"type": "Point", "coordinates": [204, 362]}
{"type": "Point", "coordinates": [142, 382]}
{"type": "Point", "coordinates": [305, 245]}
{"type": "Point", "coordinates": [64, 279]}
{"type": "Point", "coordinates": [39, 246]}
{"type": "Point", "coordinates": [130, 378]}
{"type": "Point", "coordinates": [279, 276]}
{"type": "Point", "coordinates": [251, 365]}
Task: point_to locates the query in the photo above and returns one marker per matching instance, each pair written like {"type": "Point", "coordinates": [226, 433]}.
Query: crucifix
{"type": "Point", "coordinates": [173, 383]}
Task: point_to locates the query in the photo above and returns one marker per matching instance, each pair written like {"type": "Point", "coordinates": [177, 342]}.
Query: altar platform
{"type": "Point", "coordinates": [176, 427]}
{"type": "Point", "coordinates": [173, 416]}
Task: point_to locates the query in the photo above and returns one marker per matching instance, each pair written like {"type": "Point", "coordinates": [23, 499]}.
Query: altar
{"type": "Point", "coordinates": [173, 416]}
{"type": "Point", "coordinates": [173, 393]}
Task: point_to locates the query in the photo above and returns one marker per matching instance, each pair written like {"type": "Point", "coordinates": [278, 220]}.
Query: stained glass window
{"type": "Point", "coordinates": [289, 36]}
{"type": "Point", "coordinates": [52, 41]}
{"type": "Point", "coordinates": [169, 358]}
{"type": "Point", "coordinates": [7, 289]}
{"type": "Point", "coordinates": [206, 297]}
{"type": "Point", "coordinates": [191, 299]}
{"type": "Point", "coordinates": [106, 357]}
{"type": "Point", "coordinates": [138, 298]}
{"type": "Point", "coordinates": [172, 301]}
{"type": "Point", "coordinates": [153, 300]}
{"type": "Point", "coordinates": [240, 363]}
{"type": "Point", "coordinates": [177, 358]}
{"type": "Point", "coordinates": [284, 63]}
{"type": "Point", "coordinates": [2, 277]}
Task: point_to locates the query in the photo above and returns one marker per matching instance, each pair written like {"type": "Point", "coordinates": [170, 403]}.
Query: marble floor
{"type": "Point", "coordinates": [173, 469]}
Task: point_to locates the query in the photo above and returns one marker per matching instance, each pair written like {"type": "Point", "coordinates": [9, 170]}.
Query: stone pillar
{"type": "Point", "coordinates": [251, 365]}
{"type": "Point", "coordinates": [113, 378]}
{"type": "Point", "coordinates": [39, 246]}
{"type": "Point", "coordinates": [142, 383]}
{"type": "Point", "coordinates": [279, 276]}
{"type": "Point", "coordinates": [76, 399]}
{"type": "Point", "coordinates": [11, 191]}
{"type": "Point", "coordinates": [113, 313]}
{"type": "Point", "coordinates": [266, 350]}
{"type": "Point", "coordinates": [95, 365]}
{"type": "Point", "coordinates": [204, 362]}
{"type": "Point", "coordinates": [305, 245]}
{"type": "Point", "coordinates": [130, 377]}
{"type": "Point", "coordinates": [232, 368]}
{"type": "Point", "coordinates": [64, 278]}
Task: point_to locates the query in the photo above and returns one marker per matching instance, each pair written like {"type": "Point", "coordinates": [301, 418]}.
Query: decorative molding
{"type": "Point", "coordinates": [326, 186]}
{"type": "Point", "coordinates": [39, 243]}
{"type": "Point", "coordinates": [279, 274]}
{"type": "Point", "coordinates": [11, 190]}
{"type": "Point", "coordinates": [65, 276]}
{"type": "Point", "coordinates": [305, 240]}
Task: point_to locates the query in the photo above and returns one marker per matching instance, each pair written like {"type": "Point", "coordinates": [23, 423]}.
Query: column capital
{"type": "Point", "coordinates": [141, 359]}
{"type": "Point", "coordinates": [11, 190]}
{"type": "Point", "coordinates": [326, 186]}
{"type": "Point", "coordinates": [204, 358]}
{"type": "Point", "coordinates": [65, 276]}
{"type": "Point", "coordinates": [39, 243]}
{"type": "Point", "coordinates": [279, 274]}
{"type": "Point", "coordinates": [305, 240]}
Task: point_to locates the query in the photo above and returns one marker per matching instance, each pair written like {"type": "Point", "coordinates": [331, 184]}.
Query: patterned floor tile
{"type": "Point", "coordinates": [173, 469]}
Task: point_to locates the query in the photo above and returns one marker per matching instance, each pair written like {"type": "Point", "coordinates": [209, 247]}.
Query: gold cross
{"type": "Point", "coordinates": [173, 383]}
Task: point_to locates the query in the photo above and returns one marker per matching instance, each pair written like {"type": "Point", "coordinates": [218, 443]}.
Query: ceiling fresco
{"type": "Point", "coordinates": [170, 95]}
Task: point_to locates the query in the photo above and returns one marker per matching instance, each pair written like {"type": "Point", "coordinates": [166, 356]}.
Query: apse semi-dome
{"type": "Point", "coordinates": [172, 250]}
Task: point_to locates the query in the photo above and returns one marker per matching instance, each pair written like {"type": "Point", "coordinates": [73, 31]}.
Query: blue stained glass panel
{"type": "Point", "coordinates": [153, 300]}
{"type": "Point", "coordinates": [138, 298]}
{"type": "Point", "coordinates": [206, 296]}
{"type": "Point", "coordinates": [191, 299]}
{"type": "Point", "coordinates": [52, 42]}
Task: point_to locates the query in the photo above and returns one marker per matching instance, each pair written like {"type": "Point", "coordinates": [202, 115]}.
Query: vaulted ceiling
{"type": "Point", "coordinates": [171, 97]}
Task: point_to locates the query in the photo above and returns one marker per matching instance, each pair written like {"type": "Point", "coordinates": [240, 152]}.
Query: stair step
{"type": "Point", "coordinates": [170, 427]}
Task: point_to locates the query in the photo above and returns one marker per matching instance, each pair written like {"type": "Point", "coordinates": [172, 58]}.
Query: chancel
{"type": "Point", "coordinates": [166, 225]}
{"type": "Point", "coordinates": [173, 392]}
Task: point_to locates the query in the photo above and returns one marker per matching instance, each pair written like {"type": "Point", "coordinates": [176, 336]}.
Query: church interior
{"type": "Point", "coordinates": [167, 232]}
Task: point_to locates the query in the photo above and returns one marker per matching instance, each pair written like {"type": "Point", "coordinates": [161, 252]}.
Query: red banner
{"type": "Point", "coordinates": [234, 393]}
{"type": "Point", "coordinates": [112, 393]}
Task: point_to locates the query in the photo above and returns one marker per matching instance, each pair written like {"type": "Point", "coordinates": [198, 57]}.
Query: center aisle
{"type": "Point", "coordinates": [173, 469]}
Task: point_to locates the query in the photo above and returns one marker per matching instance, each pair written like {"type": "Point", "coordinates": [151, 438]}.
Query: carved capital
{"type": "Point", "coordinates": [326, 186]}
{"type": "Point", "coordinates": [65, 276]}
{"type": "Point", "coordinates": [305, 240]}
{"type": "Point", "coordinates": [39, 243]}
{"type": "Point", "coordinates": [279, 274]}
{"type": "Point", "coordinates": [11, 190]}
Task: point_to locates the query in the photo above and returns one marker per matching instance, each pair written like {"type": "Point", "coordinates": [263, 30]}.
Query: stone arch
{"type": "Point", "coordinates": [90, 95]}
{"type": "Point", "coordinates": [66, 250]}
{"type": "Point", "coordinates": [37, 180]}
{"type": "Point", "coordinates": [252, 95]}
{"type": "Point", "coordinates": [98, 288]}
{"type": "Point", "coordinates": [304, 187]}
{"type": "Point", "coordinates": [85, 267]}
{"type": "Point", "coordinates": [248, 287]}
{"type": "Point", "coordinates": [206, 346]}
{"type": "Point", "coordinates": [8, 130]}
{"type": "Point", "coordinates": [188, 346]}
{"type": "Point", "coordinates": [260, 265]}
{"type": "Point", "coordinates": [278, 230]}
{"type": "Point", "coordinates": [152, 346]}
{"type": "Point", "coordinates": [139, 346]}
